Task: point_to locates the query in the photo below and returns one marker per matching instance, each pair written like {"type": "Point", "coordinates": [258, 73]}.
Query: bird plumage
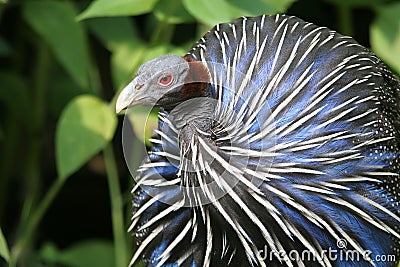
{"type": "Point", "coordinates": [281, 137]}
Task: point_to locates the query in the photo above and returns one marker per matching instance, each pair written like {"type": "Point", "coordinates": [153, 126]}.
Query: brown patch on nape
{"type": "Point", "coordinates": [197, 71]}
{"type": "Point", "coordinates": [196, 80]}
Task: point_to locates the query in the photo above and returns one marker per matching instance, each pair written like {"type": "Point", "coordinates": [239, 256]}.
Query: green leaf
{"type": "Point", "coordinates": [160, 50]}
{"type": "Point", "coordinates": [178, 15]}
{"type": "Point", "coordinates": [99, 253]}
{"type": "Point", "coordinates": [124, 63]}
{"type": "Point", "coordinates": [218, 11]}
{"type": "Point", "coordinates": [55, 22]}
{"type": "Point", "coordinates": [86, 125]}
{"type": "Point", "coordinates": [114, 32]}
{"type": "Point", "coordinates": [259, 7]}
{"type": "Point", "coordinates": [357, 3]}
{"type": "Point", "coordinates": [144, 121]}
{"type": "Point", "coordinates": [120, 37]}
{"type": "Point", "coordinates": [385, 35]}
{"type": "Point", "coordinates": [211, 12]}
{"type": "Point", "coordinates": [128, 50]}
{"type": "Point", "coordinates": [4, 252]}
{"type": "Point", "coordinates": [107, 8]}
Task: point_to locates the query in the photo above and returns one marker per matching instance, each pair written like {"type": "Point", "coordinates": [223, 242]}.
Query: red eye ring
{"type": "Point", "coordinates": [165, 80]}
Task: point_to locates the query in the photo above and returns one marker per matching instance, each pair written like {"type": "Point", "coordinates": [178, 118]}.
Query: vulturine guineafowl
{"type": "Point", "coordinates": [278, 145]}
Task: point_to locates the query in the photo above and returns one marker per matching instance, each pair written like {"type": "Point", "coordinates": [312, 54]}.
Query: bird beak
{"type": "Point", "coordinates": [128, 97]}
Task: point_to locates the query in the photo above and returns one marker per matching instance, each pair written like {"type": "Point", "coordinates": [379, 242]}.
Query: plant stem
{"type": "Point", "coordinates": [164, 30]}
{"type": "Point", "coordinates": [119, 231]}
{"type": "Point", "coordinates": [31, 214]}
{"type": "Point", "coordinates": [32, 173]}
{"type": "Point", "coordinates": [34, 221]}
{"type": "Point", "coordinates": [8, 158]}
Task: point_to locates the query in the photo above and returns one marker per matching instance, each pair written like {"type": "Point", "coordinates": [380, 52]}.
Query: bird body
{"type": "Point", "coordinates": [278, 144]}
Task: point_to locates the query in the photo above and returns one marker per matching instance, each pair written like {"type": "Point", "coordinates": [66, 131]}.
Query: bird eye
{"type": "Point", "coordinates": [165, 80]}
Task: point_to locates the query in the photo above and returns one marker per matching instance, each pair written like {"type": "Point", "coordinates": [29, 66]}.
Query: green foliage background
{"type": "Point", "coordinates": [64, 185]}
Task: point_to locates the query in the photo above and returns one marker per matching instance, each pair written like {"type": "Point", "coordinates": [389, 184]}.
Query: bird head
{"type": "Point", "coordinates": [164, 82]}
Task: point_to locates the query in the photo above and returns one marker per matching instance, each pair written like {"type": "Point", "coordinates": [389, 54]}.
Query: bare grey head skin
{"type": "Point", "coordinates": [155, 80]}
{"type": "Point", "coordinates": [158, 83]}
